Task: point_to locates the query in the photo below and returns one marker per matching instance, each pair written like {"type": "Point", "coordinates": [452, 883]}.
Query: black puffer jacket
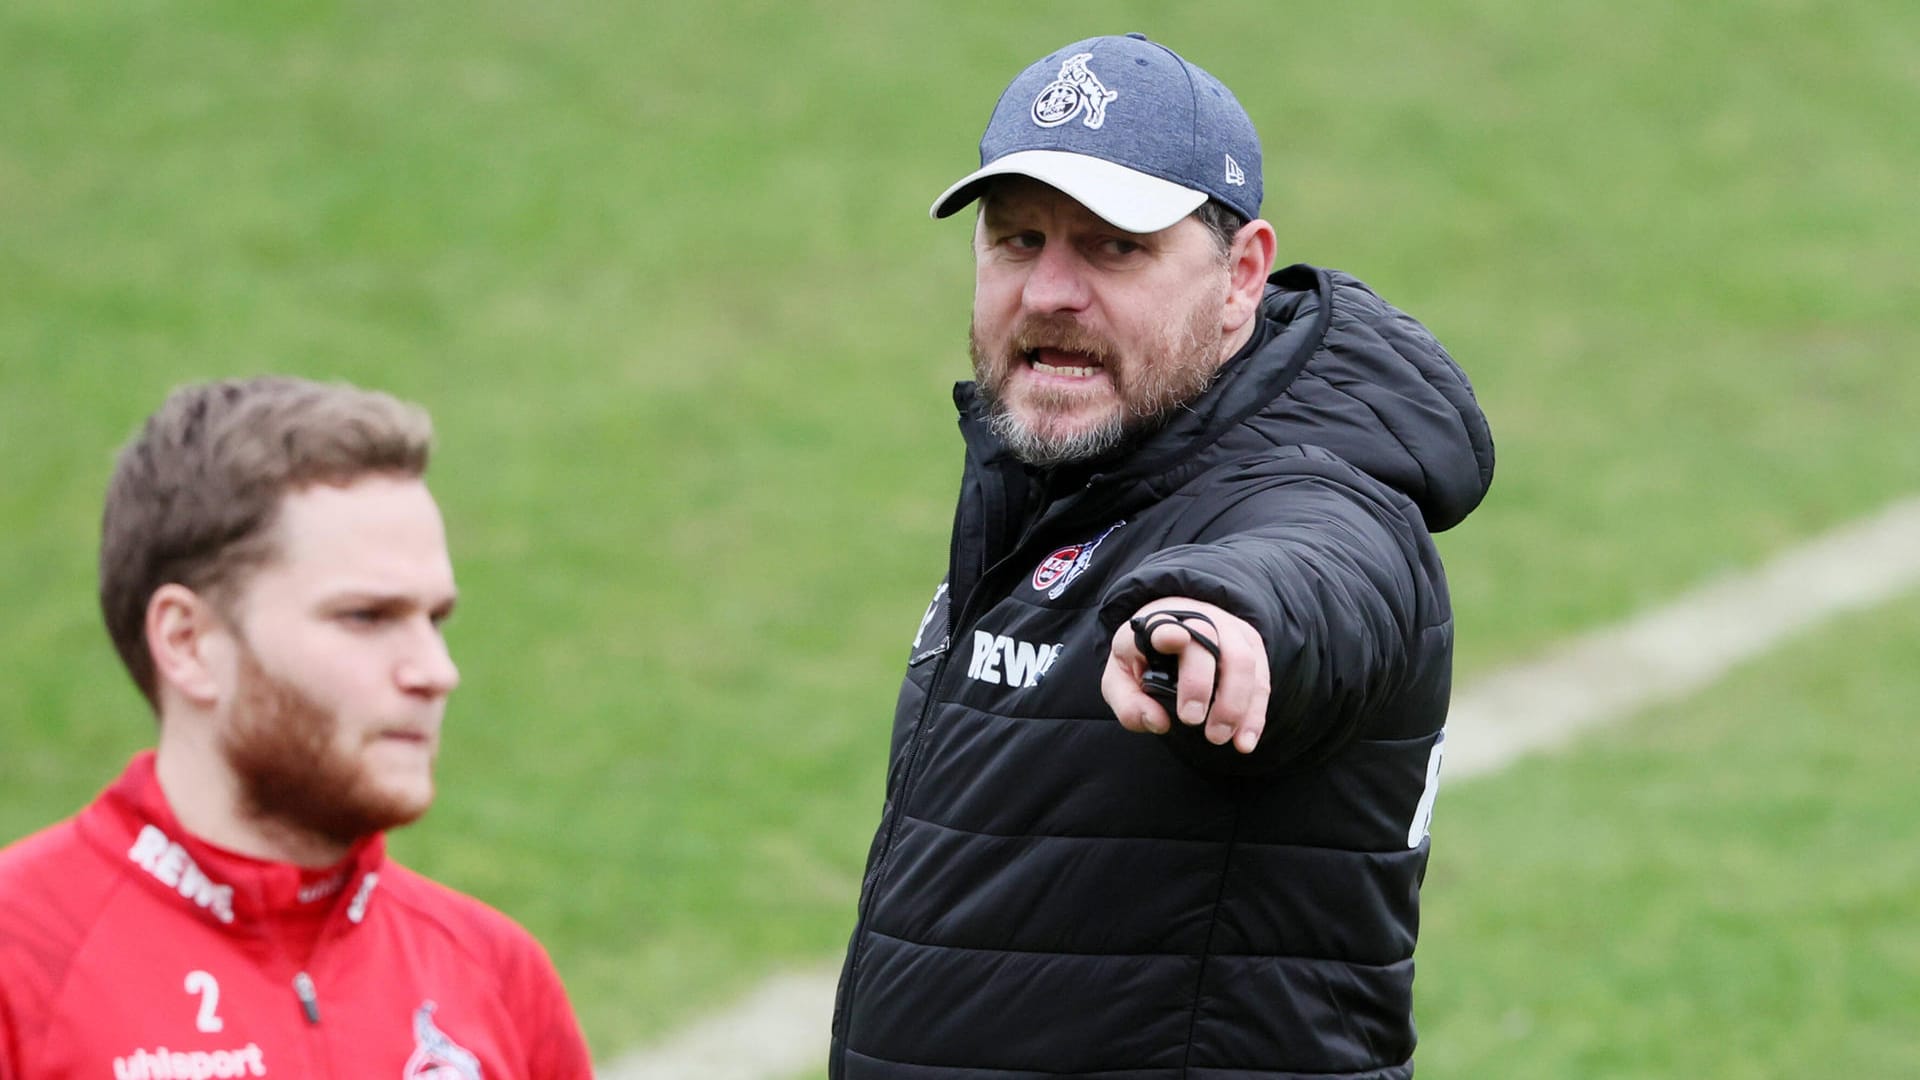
{"type": "Point", "coordinates": [1049, 895]}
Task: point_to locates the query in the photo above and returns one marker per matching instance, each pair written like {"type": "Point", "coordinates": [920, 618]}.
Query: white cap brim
{"type": "Point", "coordinates": [1122, 197]}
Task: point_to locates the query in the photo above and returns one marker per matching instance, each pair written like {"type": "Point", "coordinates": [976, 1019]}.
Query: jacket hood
{"type": "Point", "coordinates": [1376, 390]}
{"type": "Point", "coordinates": [1335, 367]}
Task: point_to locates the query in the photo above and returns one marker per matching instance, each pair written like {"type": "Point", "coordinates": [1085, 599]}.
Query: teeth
{"type": "Point", "coordinates": [1075, 372]}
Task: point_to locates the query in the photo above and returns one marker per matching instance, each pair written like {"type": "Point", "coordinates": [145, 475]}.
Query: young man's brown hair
{"type": "Point", "coordinates": [195, 494]}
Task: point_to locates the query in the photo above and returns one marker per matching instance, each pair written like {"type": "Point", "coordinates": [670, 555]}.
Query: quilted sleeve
{"type": "Point", "coordinates": [1335, 574]}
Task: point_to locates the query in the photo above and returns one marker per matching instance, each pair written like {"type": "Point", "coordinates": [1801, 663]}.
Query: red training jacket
{"type": "Point", "coordinates": [130, 950]}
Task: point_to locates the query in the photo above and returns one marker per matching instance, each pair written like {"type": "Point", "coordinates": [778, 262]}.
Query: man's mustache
{"type": "Point", "coordinates": [1063, 334]}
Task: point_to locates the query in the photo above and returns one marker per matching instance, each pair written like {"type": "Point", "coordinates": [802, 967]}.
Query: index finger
{"type": "Point", "coordinates": [1197, 670]}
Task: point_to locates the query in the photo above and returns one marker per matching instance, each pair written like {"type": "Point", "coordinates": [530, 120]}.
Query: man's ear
{"type": "Point", "coordinates": [1249, 261]}
{"type": "Point", "coordinates": [190, 643]}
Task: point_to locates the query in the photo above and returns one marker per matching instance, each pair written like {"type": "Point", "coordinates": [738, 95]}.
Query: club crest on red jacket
{"type": "Point", "coordinates": [435, 1056]}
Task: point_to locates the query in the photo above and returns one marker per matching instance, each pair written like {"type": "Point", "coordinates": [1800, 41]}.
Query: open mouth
{"type": "Point", "coordinates": [1063, 364]}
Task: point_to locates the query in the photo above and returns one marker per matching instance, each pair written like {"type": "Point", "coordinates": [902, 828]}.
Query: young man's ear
{"type": "Point", "coordinates": [189, 642]}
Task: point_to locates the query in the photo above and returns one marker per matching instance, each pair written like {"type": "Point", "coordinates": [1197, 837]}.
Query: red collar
{"type": "Point", "coordinates": [132, 823]}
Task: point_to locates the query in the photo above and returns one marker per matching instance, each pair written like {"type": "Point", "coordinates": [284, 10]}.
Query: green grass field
{"type": "Point", "coordinates": [1722, 888]}
{"type": "Point", "coordinates": [666, 280]}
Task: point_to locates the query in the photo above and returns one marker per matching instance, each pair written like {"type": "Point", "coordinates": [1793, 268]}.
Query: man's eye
{"type": "Point", "coordinates": [1024, 241]}
{"type": "Point", "coordinates": [1120, 245]}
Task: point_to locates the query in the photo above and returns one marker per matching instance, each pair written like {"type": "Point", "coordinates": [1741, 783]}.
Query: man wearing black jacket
{"type": "Point", "coordinates": [1172, 458]}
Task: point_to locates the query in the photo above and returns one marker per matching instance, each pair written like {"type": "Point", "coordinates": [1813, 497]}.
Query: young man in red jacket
{"type": "Point", "coordinates": [274, 574]}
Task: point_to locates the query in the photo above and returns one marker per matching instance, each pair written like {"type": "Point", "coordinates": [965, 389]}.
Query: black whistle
{"type": "Point", "coordinates": [1162, 678]}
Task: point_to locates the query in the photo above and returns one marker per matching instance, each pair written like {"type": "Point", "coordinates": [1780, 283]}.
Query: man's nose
{"type": "Point", "coordinates": [428, 668]}
{"type": "Point", "coordinates": [1057, 282]}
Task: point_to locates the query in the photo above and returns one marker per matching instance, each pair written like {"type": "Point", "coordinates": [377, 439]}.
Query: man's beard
{"type": "Point", "coordinates": [1151, 387]}
{"type": "Point", "coordinates": [292, 774]}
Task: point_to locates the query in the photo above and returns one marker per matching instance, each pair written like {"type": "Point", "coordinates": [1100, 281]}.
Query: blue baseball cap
{"type": "Point", "coordinates": [1127, 128]}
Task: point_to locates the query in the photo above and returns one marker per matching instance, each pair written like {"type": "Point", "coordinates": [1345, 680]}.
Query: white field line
{"type": "Point", "coordinates": [777, 1031]}
{"type": "Point", "coordinates": [1685, 646]}
{"type": "Point", "coordinates": [780, 1030]}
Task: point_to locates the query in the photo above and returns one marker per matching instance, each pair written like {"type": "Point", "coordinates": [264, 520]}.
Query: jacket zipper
{"type": "Point", "coordinates": [304, 988]}
{"type": "Point", "coordinates": [954, 623]}
{"type": "Point", "coordinates": [309, 999]}
{"type": "Point", "coordinates": [900, 803]}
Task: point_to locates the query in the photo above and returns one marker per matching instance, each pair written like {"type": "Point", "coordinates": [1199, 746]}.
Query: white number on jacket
{"type": "Point", "coordinates": [208, 987]}
{"type": "Point", "coordinates": [1423, 814]}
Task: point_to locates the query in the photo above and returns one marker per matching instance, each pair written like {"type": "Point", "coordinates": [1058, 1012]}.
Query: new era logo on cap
{"type": "Point", "coordinates": [1126, 127]}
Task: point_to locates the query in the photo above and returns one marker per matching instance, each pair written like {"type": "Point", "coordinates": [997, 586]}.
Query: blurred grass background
{"type": "Point", "coordinates": [1725, 887]}
{"type": "Point", "coordinates": [664, 276]}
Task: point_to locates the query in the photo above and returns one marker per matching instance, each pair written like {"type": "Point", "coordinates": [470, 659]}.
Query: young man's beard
{"type": "Point", "coordinates": [282, 750]}
{"type": "Point", "coordinates": [1177, 369]}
